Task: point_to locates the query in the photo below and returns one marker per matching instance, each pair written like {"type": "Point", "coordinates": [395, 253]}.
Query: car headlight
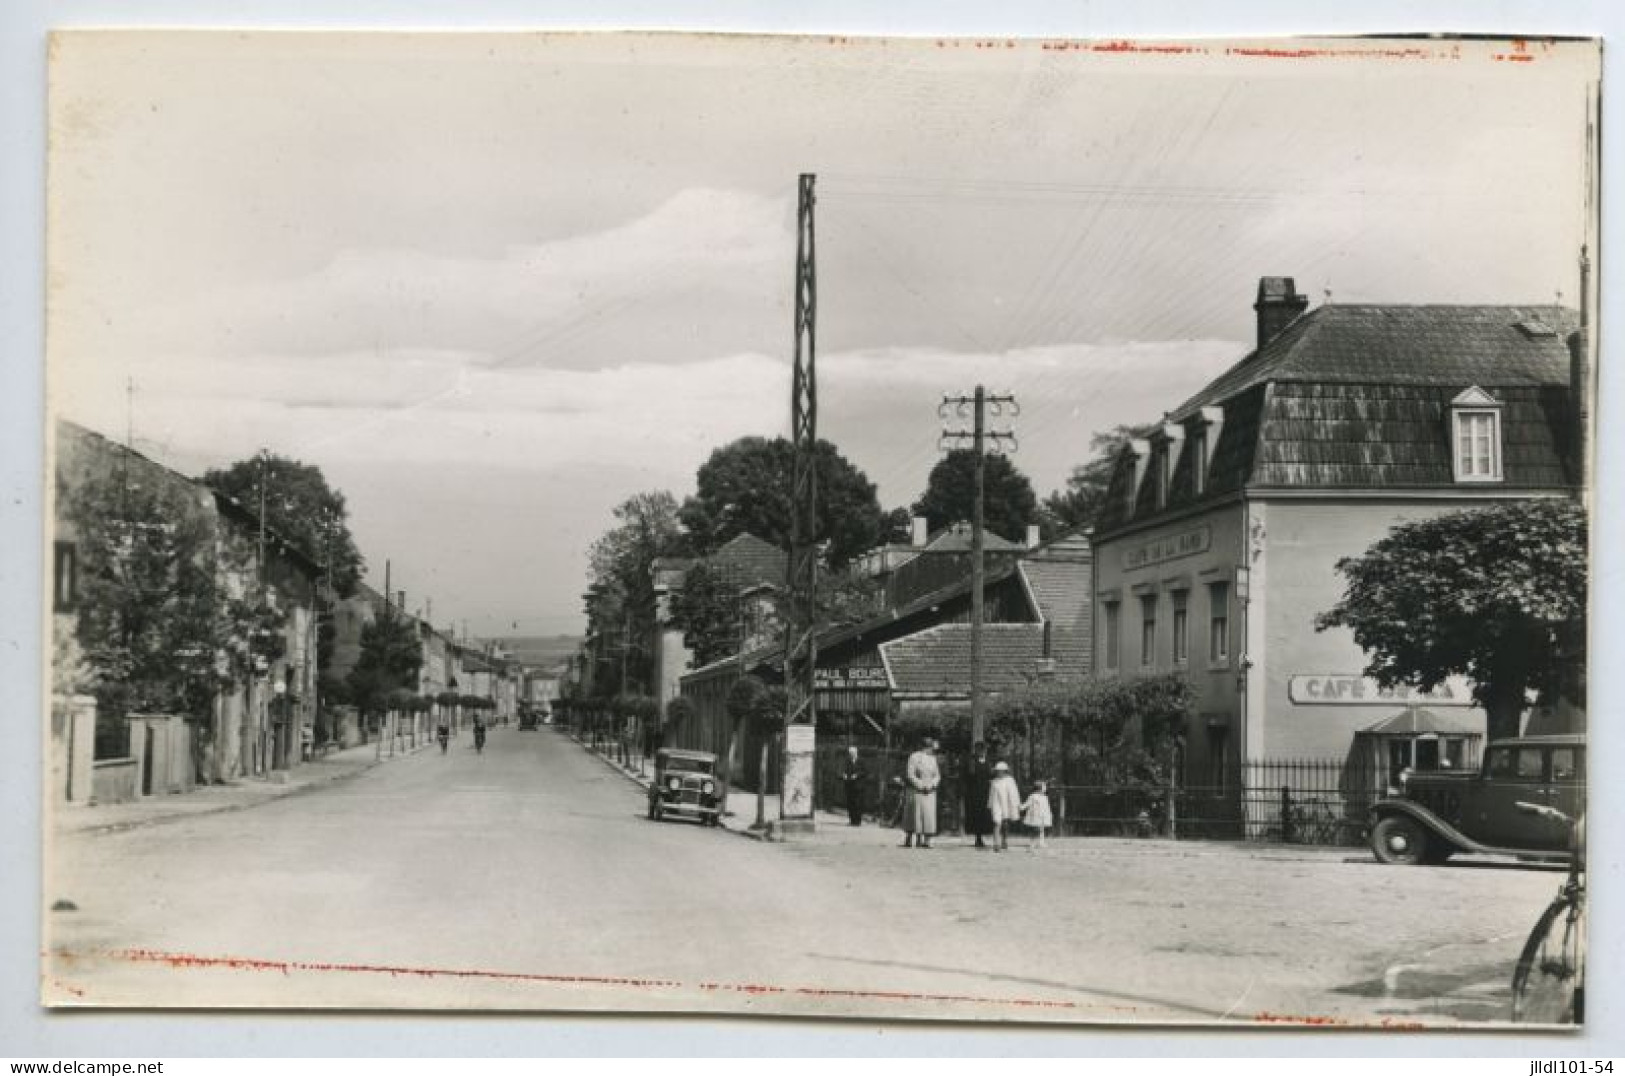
{"type": "Point", "coordinates": [674, 783]}
{"type": "Point", "coordinates": [709, 788]}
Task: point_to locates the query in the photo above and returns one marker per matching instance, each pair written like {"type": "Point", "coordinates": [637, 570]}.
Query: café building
{"type": "Point", "coordinates": [1218, 545]}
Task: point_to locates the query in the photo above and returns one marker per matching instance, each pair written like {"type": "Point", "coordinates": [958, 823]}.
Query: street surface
{"type": "Point", "coordinates": [529, 878]}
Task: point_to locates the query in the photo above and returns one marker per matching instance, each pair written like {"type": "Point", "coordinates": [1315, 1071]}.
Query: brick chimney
{"type": "Point", "coordinates": [1278, 305]}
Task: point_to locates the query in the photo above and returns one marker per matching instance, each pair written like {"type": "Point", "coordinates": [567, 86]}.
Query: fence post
{"type": "Point", "coordinates": [1286, 814]}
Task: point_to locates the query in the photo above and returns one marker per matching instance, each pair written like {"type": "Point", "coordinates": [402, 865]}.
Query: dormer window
{"type": "Point", "coordinates": [1169, 440]}
{"type": "Point", "coordinates": [1208, 424]}
{"type": "Point", "coordinates": [1140, 450]}
{"type": "Point", "coordinates": [1475, 423]}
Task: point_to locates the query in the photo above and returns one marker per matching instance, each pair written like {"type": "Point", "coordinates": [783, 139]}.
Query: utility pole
{"type": "Point", "coordinates": [800, 644]}
{"type": "Point", "coordinates": [982, 440]}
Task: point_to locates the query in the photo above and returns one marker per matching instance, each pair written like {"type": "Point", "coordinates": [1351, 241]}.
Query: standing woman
{"type": "Point", "coordinates": [978, 776]}
{"type": "Point", "coordinates": [920, 808]}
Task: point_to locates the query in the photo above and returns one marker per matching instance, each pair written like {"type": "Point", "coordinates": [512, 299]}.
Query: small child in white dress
{"type": "Point", "coordinates": [1003, 805]}
{"type": "Point", "coordinates": [1036, 814]}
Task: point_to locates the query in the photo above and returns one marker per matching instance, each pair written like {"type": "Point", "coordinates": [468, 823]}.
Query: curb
{"type": "Point", "coordinates": [750, 833]}
{"type": "Point", "coordinates": [228, 808]}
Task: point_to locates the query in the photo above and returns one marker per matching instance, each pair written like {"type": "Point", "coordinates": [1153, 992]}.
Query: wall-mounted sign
{"type": "Point", "coordinates": [858, 678]}
{"type": "Point", "coordinates": [1341, 689]}
{"type": "Point", "coordinates": [1170, 547]}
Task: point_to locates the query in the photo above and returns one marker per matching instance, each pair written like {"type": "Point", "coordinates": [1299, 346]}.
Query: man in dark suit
{"type": "Point", "coordinates": [978, 779]}
{"type": "Point", "coordinates": [852, 777]}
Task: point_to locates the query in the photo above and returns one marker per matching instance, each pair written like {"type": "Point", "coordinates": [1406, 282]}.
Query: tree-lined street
{"type": "Point", "coordinates": [528, 877]}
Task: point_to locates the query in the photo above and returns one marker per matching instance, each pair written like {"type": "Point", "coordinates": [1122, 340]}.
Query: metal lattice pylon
{"type": "Point", "coordinates": [800, 656]}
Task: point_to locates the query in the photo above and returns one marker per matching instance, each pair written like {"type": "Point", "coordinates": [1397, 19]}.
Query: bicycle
{"type": "Point", "coordinates": [1548, 984]}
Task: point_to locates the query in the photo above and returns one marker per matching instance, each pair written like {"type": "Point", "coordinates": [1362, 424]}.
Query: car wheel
{"type": "Point", "coordinates": [1401, 840]}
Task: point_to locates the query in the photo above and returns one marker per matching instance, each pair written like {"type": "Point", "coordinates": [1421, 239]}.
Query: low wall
{"type": "Point", "coordinates": [115, 780]}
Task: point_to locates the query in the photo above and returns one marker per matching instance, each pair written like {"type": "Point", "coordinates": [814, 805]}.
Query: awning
{"type": "Point", "coordinates": [1415, 721]}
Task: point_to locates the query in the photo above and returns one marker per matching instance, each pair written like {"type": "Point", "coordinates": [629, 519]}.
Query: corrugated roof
{"type": "Point", "coordinates": [936, 661]}
{"type": "Point", "coordinates": [1061, 588]}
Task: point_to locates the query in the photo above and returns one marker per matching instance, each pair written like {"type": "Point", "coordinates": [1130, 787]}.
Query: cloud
{"type": "Point", "coordinates": [629, 292]}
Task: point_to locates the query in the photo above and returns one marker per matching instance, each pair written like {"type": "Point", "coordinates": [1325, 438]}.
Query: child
{"type": "Point", "coordinates": [1036, 813]}
{"type": "Point", "coordinates": [1003, 804]}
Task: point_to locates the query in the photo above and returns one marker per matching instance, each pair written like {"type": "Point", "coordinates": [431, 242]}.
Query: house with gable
{"type": "Point", "coordinates": [1218, 543]}
{"type": "Point", "coordinates": [756, 568]}
{"type": "Point", "coordinates": [913, 652]}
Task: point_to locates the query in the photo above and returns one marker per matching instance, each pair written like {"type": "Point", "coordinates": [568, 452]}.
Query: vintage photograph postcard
{"type": "Point", "coordinates": [1086, 531]}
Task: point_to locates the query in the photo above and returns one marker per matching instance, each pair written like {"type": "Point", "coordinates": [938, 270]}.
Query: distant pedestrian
{"type": "Point", "coordinates": [1003, 804]}
{"type": "Point", "coordinates": [1037, 815]}
{"type": "Point", "coordinates": [479, 737]}
{"type": "Point", "coordinates": [978, 779]}
{"type": "Point", "coordinates": [920, 806]}
{"type": "Point", "coordinates": [852, 778]}
{"type": "Point", "coordinates": [443, 734]}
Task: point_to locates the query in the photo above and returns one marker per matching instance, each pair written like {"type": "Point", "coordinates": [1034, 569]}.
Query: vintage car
{"type": "Point", "coordinates": [686, 784]}
{"type": "Point", "coordinates": [1435, 815]}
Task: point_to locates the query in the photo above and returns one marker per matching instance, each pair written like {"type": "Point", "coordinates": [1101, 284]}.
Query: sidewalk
{"type": "Point", "coordinates": [235, 795]}
{"type": "Point", "coordinates": [740, 817]}
{"type": "Point", "coordinates": [834, 828]}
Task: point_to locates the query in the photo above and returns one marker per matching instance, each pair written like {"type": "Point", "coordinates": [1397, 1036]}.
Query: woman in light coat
{"type": "Point", "coordinates": [920, 808]}
{"type": "Point", "coordinates": [1004, 804]}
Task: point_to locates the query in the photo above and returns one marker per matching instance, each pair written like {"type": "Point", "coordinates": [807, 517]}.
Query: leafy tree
{"type": "Point", "coordinates": [1008, 502]}
{"type": "Point", "coordinates": [1496, 595]}
{"type": "Point", "coordinates": [712, 613]}
{"type": "Point", "coordinates": [752, 703]}
{"type": "Point", "coordinates": [300, 506]}
{"type": "Point", "coordinates": [391, 656]}
{"type": "Point", "coordinates": [1079, 504]}
{"type": "Point", "coordinates": [1119, 730]}
{"type": "Point", "coordinates": [846, 597]}
{"type": "Point", "coordinates": [709, 610]}
{"type": "Point", "coordinates": [152, 614]}
{"type": "Point", "coordinates": [746, 487]}
{"type": "Point", "coordinates": [948, 725]}
{"type": "Point", "coordinates": [620, 601]}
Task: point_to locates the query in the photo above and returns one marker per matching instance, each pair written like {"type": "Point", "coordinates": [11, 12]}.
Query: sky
{"type": "Point", "coordinates": [492, 285]}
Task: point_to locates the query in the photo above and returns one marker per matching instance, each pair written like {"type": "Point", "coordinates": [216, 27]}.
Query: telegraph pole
{"type": "Point", "coordinates": [982, 440]}
{"type": "Point", "coordinates": [800, 649]}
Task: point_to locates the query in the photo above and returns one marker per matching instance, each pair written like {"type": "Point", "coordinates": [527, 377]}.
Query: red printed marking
{"type": "Point", "coordinates": [1270, 53]}
{"type": "Point", "coordinates": [286, 967]}
{"type": "Point", "coordinates": [1134, 46]}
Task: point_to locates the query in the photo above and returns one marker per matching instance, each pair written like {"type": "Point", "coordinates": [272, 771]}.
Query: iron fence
{"type": "Point", "coordinates": [1293, 801]}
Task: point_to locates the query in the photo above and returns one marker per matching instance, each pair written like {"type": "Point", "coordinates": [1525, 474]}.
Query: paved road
{"type": "Point", "coordinates": [528, 878]}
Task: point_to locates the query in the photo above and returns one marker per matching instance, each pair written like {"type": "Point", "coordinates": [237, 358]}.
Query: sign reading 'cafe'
{"type": "Point", "coordinates": [1335, 689]}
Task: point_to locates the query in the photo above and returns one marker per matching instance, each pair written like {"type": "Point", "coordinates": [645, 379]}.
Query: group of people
{"type": "Point", "coordinates": [992, 800]}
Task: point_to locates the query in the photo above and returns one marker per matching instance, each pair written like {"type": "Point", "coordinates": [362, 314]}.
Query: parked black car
{"type": "Point", "coordinates": [1436, 815]}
